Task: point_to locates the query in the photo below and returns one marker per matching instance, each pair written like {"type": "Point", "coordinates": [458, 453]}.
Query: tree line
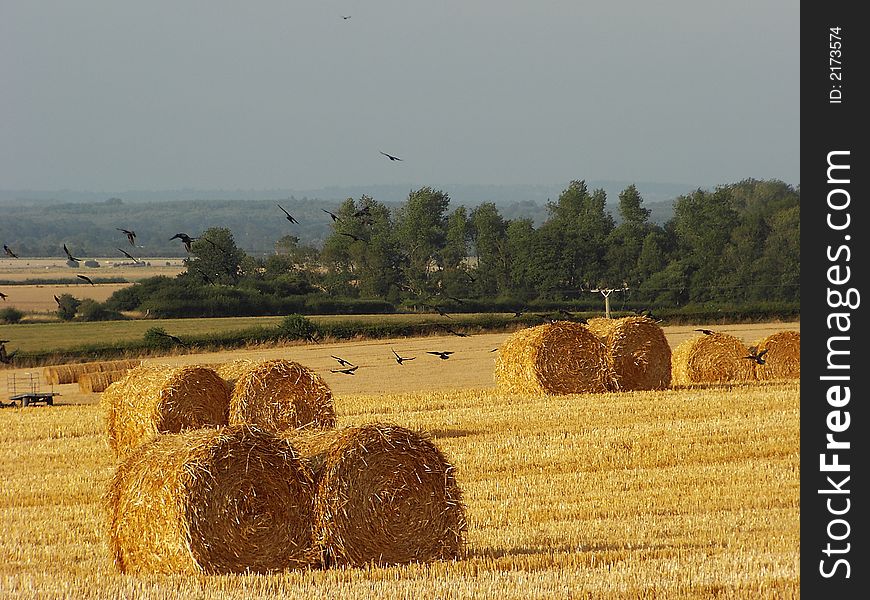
{"type": "Point", "coordinates": [735, 245]}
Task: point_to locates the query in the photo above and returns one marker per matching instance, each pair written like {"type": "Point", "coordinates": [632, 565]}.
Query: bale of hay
{"type": "Point", "coordinates": [280, 395]}
{"type": "Point", "coordinates": [231, 371]}
{"type": "Point", "coordinates": [716, 358]}
{"type": "Point", "coordinates": [98, 381]}
{"type": "Point", "coordinates": [554, 358]}
{"type": "Point", "coordinates": [638, 353]}
{"type": "Point", "coordinates": [229, 500]}
{"type": "Point", "coordinates": [783, 357]}
{"type": "Point", "coordinates": [70, 373]}
{"type": "Point", "coordinates": [384, 495]}
{"type": "Point", "coordinates": [153, 399]}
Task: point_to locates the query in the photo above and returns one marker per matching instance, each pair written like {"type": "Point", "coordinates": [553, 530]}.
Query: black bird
{"type": "Point", "coordinates": [85, 278]}
{"type": "Point", "coordinates": [401, 359]}
{"type": "Point", "coordinates": [9, 251]}
{"type": "Point", "coordinates": [494, 350]}
{"type": "Point", "coordinates": [128, 255]}
{"type": "Point", "coordinates": [441, 355]}
{"type": "Point", "coordinates": [70, 256]}
{"type": "Point", "coordinates": [352, 236]}
{"type": "Point", "coordinates": [186, 239]}
{"type": "Point", "coordinates": [453, 331]}
{"type": "Point", "coordinates": [4, 342]}
{"type": "Point", "coordinates": [175, 339]}
{"type": "Point", "coordinates": [706, 331]}
{"type": "Point", "coordinates": [2, 295]}
{"type": "Point", "coordinates": [131, 235]}
{"type": "Point", "coordinates": [345, 17]}
{"type": "Point", "coordinates": [56, 299]}
{"type": "Point", "coordinates": [4, 356]}
{"type": "Point", "coordinates": [347, 371]}
{"type": "Point", "coordinates": [289, 216]}
{"type": "Point", "coordinates": [390, 156]}
{"type": "Point", "coordinates": [342, 362]}
{"type": "Point", "coordinates": [757, 356]}
{"type": "Point", "coordinates": [334, 216]}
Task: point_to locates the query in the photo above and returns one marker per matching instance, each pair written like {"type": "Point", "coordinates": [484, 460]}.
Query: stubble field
{"type": "Point", "coordinates": [684, 493]}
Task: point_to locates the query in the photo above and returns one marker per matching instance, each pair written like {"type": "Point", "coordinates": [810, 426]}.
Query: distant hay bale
{"type": "Point", "coordinates": [229, 500]}
{"type": "Point", "coordinates": [554, 358]}
{"type": "Point", "coordinates": [638, 352]}
{"type": "Point", "coordinates": [384, 495]}
{"type": "Point", "coordinates": [98, 381]}
{"type": "Point", "coordinates": [154, 399]}
{"type": "Point", "coordinates": [783, 357]}
{"type": "Point", "coordinates": [231, 371]}
{"type": "Point", "coordinates": [70, 373]}
{"type": "Point", "coordinates": [716, 358]}
{"type": "Point", "coordinates": [280, 395]}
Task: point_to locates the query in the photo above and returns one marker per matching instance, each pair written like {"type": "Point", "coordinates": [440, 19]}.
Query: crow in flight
{"type": "Point", "coordinates": [756, 356]}
{"type": "Point", "coordinates": [9, 251]}
{"type": "Point", "coordinates": [401, 359]}
{"type": "Point", "coordinates": [131, 235]}
{"type": "Point", "coordinates": [2, 295]}
{"type": "Point", "coordinates": [441, 355]}
{"type": "Point", "coordinates": [390, 156]}
{"type": "Point", "coordinates": [289, 216]}
{"type": "Point", "coordinates": [186, 239]}
{"type": "Point", "coordinates": [85, 278]}
{"type": "Point", "coordinates": [342, 362]}
{"type": "Point", "coordinates": [128, 255]}
{"type": "Point", "coordinates": [334, 216]}
{"type": "Point", "coordinates": [347, 371]}
{"type": "Point", "coordinates": [70, 256]}
{"type": "Point", "coordinates": [706, 331]}
{"type": "Point", "coordinates": [56, 299]}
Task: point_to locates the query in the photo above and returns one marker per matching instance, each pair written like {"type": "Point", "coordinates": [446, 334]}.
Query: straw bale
{"type": "Point", "coordinates": [229, 500]}
{"type": "Point", "coordinates": [554, 358]}
{"type": "Point", "coordinates": [69, 373]}
{"type": "Point", "coordinates": [384, 495]}
{"type": "Point", "coordinates": [638, 353]}
{"type": "Point", "coordinates": [231, 371]}
{"type": "Point", "coordinates": [153, 399]}
{"type": "Point", "coordinates": [281, 394]}
{"type": "Point", "coordinates": [716, 358]}
{"type": "Point", "coordinates": [783, 357]}
{"type": "Point", "coordinates": [98, 381]}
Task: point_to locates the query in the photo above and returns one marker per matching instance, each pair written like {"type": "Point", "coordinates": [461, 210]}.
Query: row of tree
{"type": "Point", "coordinates": [737, 244]}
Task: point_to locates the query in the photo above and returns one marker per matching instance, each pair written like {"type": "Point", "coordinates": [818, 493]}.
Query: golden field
{"type": "Point", "coordinates": [685, 493]}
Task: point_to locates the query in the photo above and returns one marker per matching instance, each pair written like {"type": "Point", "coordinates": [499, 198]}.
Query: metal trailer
{"type": "Point", "coordinates": [25, 390]}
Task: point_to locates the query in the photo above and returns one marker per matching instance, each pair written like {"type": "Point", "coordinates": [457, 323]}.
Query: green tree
{"type": "Point", "coordinates": [67, 307]}
{"type": "Point", "coordinates": [215, 258]}
{"type": "Point", "coordinates": [489, 238]}
{"type": "Point", "coordinates": [421, 232]}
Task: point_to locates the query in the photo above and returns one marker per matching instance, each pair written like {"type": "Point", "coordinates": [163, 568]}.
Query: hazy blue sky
{"type": "Point", "coordinates": [221, 94]}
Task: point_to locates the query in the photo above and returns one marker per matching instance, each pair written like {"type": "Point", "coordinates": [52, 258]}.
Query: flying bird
{"type": "Point", "coordinates": [441, 355]}
{"type": "Point", "coordinates": [175, 339]}
{"type": "Point", "coordinates": [131, 235]}
{"type": "Point", "coordinates": [390, 156]}
{"type": "Point", "coordinates": [85, 278]}
{"type": "Point", "coordinates": [401, 359]}
{"type": "Point", "coordinates": [56, 299]}
{"type": "Point", "coordinates": [9, 251]}
{"type": "Point", "coordinates": [3, 296]}
{"type": "Point", "coordinates": [334, 216]}
{"type": "Point", "coordinates": [128, 255]}
{"type": "Point", "coordinates": [289, 217]}
{"type": "Point", "coordinates": [70, 256]}
{"type": "Point", "coordinates": [706, 331]}
{"type": "Point", "coordinates": [347, 371]}
{"type": "Point", "coordinates": [342, 362]}
{"type": "Point", "coordinates": [494, 350]}
{"type": "Point", "coordinates": [758, 357]}
{"type": "Point", "coordinates": [186, 239]}
{"type": "Point", "coordinates": [345, 17]}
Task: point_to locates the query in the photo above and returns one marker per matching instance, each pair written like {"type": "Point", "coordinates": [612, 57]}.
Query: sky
{"type": "Point", "coordinates": [220, 94]}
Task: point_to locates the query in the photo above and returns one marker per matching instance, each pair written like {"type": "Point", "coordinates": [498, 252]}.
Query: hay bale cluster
{"type": "Point", "coordinates": [70, 373]}
{"type": "Point", "coordinates": [603, 355]}
{"type": "Point", "coordinates": [247, 474]}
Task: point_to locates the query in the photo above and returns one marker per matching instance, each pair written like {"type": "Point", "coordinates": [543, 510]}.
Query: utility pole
{"type": "Point", "coordinates": [606, 293]}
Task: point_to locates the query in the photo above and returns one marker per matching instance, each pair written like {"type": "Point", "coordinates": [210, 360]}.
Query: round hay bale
{"type": "Point", "coordinates": [638, 353]}
{"type": "Point", "coordinates": [280, 395]}
{"type": "Point", "coordinates": [70, 373]}
{"type": "Point", "coordinates": [98, 381]}
{"type": "Point", "coordinates": [783, 357]}
{"type": "Point", "coordinates": [154, 399]}
{"type": "Point", "coordinates": [554, 358]}
{"type": "Point", "coordinates": [384, 495]}
{"type": "Point", "coordinates": [229, 500]}
{"type": "Point", "coordinates": [716, 358]}
{"type": "Point", "coordinates": [231, 371]}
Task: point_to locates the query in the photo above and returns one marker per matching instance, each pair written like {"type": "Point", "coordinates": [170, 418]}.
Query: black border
{"type": "Point", "coordinates": [827, 127]}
